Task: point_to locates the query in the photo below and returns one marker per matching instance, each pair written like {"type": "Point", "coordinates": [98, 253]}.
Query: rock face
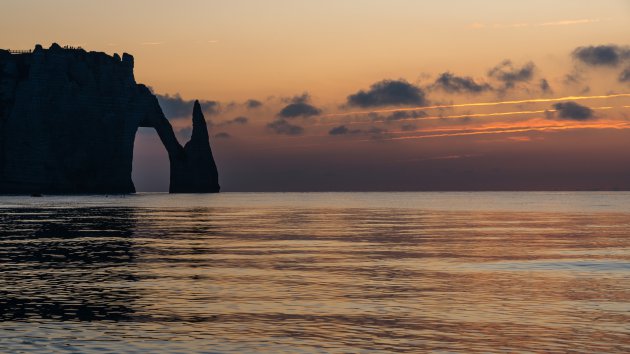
{"type": "Point", "coordinates": [194, 171]}
{"type": "Point", "coordinates": [68, 120]}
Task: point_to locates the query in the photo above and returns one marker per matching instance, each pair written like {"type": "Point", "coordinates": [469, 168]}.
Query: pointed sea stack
{"type": "Point", "coordinates": [194, 171]}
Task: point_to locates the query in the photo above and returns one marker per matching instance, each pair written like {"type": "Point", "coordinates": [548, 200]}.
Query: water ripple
{"type": "Point", "coordinates": [154, 277]}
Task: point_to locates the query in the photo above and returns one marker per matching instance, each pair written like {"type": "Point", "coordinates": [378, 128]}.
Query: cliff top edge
{"type": "Point", "coordinates": [56, 48]}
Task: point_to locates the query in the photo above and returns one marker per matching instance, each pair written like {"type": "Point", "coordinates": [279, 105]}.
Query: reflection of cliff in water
{"type": "Point", "coordinates": [66, 264]}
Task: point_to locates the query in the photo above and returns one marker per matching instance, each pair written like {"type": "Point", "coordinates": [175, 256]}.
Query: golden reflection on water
{"type": "Point", "coordinates": [313, 279]}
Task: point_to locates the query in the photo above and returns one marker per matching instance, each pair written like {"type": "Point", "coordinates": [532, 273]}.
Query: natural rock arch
{"type": "Point", "coordinates": [68, 121]}
{"type": "Point", "coordinates": [192, 166]}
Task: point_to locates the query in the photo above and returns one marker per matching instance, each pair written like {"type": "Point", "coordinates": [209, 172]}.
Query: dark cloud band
{"type": "Point", "coordinates": [510, 75]}
{"type": "Point", "coordinates": [573, 111]}
{"type": "Point", "coordinates": [299, 106]}
{"type": "Point", "coordinates": [388, 93]}
{"type": "Point", "coordinates": [252, 104]}
{"type": "Point", "coordinates": [601, 55]}
{"type": "Point", "coordinates": [451, 83]}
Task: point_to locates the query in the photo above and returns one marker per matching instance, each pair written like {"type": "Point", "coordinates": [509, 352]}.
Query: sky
{"type": "Point", "coordinates": [370, 95]}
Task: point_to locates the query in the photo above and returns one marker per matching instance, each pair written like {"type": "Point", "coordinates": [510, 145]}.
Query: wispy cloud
{"type": "Point", "coordinates": [523, 139]}
{"type": "Point", "coordinates": [151, 43]}
{"type": "Point", "coordinates": [492, 130]}
{"type": "Point", "coordinates": [479, 25]}
{"type": "Point", "coordinates": [445, 157]}
{"type": "Point", "coordinates": [569, 22]}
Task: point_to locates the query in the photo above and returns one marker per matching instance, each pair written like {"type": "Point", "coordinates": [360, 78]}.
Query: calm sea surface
{"type": "Point", "coordinates": [316, 272]}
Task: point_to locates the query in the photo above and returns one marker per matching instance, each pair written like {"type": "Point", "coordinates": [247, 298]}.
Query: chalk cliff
{"type": "Point", "coordinates": [68, 120]}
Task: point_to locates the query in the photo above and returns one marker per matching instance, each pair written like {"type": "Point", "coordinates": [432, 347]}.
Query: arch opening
{"type": "Point", "coordinates": [150, 164]}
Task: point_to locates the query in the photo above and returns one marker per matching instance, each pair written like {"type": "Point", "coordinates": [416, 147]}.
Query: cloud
{"type": "Point", "coordinates": [253, 104]}
{"type": "Point", "coordinates": [281, 126]}
{"type": "Point", "coordinates": [295, 110]}
{"type": "Point", "coordinates": [408, 127]}
{"type": "Point", "coordinates": [375, 132]}
{"type": "Point", "coordinates": [236, 121]}
{"type": "Point", "coordinates": [510, 75]}
{"type": "Point", "coordinates": [544, 86]}
{"type": "Point", "coordinates": [404, 115]}
{"type": "Point", "coordinates": [222, 135]}
{"type": "Point", "coordinates": [177, 107]}
{"type": "Point", "coordinates": [478, 25]}
{"type": "Point", "coordinates": [343, 130]}
{"type": "Point", "coordinates": [569, 22]}
{"type": "Point", "coordinates": [388, 93]}
{"type": "Point", "coordinates": [299, 106]}
{"type": "Point", "coordinates": [459, 84]}
{"type": "Point", "coordinates": [625, 75]}
{"type": "Point", "coordinates": [601, 55]}
{"type": "Point", "coordinates": [573, 111]}
{"type": "Point", "coordinates": [340, 130]}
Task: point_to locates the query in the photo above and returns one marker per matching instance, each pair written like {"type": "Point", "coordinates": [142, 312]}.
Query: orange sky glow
{"type": "Point", "coordinates": [340, 95]}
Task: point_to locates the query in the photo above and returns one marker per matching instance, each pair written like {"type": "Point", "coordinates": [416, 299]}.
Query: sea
{"type": "Point", "coordinates": [422, 272]}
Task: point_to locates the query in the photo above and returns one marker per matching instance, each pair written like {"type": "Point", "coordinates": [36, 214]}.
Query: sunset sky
{"type": "Point", "coordinates": [305, 95]}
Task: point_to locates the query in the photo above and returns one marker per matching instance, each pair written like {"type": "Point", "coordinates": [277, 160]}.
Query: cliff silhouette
{"type": "Point", "coordinates": [68, 121]}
